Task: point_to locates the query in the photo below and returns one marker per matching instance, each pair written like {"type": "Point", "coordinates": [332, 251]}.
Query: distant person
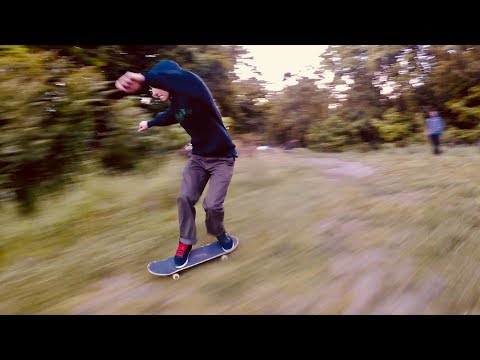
{"type": "Point", "coordinates": [434, 127]}
{"type": "Point", "coordinates": [213, 152]}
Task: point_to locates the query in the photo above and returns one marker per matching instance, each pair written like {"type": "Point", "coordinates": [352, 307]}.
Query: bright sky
{"type": "Point", "coordinates": [273, 61]}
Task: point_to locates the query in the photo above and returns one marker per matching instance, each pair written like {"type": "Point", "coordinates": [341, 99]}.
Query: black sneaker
{"type": "Point", "coordinates": [181, 256]}
{"type": "Point", "coordinates": [226, 241]}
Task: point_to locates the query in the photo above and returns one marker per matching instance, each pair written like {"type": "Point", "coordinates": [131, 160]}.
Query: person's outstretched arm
{"type": "Point", "coordinates": [163, 119]}
{"type": "Point", "coordinates": [170, 117]}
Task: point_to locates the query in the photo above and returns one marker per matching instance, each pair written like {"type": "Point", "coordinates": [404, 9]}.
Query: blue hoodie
{"type": "Point", "coordinates": [435, 125]}
{"type": "Point", "coordinates": [192, 106]}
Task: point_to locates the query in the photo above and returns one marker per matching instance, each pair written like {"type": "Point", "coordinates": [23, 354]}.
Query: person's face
{"type": "Point", "coordinates": [163, 95]}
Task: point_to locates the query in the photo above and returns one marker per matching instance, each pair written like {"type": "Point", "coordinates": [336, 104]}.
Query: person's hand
{"type": "Point", "coordinates": [142, 126]}
{"type": "Point", "coordinates": [130, 82]}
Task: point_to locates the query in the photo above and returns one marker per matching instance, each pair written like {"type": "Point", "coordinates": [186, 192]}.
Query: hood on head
{"type": "Point", "coordinates": [163, 75]}
{"type": "Point", "coordinates": [168, 75]}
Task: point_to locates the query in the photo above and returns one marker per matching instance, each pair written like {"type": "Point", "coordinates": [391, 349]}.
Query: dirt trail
{"type": "Point", "coordinates": [342, 167]}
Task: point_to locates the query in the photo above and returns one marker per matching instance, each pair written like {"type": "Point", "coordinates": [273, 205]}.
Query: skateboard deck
{"type": "Point", "coordinates": [197, 256]}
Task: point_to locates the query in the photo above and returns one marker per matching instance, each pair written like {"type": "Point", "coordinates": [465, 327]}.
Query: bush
{"type": "Point", "coordinates": [332, 134]}
{"type": "Point", "coordinates": [393, 127]}
{"type": "Point", "coordinates": [47, 120]}
{"type": "Point", "coordinates": [53, 114]}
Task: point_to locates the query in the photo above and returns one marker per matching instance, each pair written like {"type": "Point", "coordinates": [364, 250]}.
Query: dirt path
{"type": "Point", "coordinates": [342, 167]}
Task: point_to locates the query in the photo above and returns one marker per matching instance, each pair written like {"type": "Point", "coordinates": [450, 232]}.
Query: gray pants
{"type": "Point", "coordinates": [198, 171]}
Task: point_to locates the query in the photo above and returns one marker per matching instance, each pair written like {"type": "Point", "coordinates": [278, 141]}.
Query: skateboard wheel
{"type": "Point", "coordinates": [224, 257]}
{"type": "Point", "coordinates": [175, 276]}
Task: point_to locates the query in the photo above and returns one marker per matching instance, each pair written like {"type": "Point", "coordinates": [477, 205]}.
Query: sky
{"type": "Point", "coordinates": [273, 61]}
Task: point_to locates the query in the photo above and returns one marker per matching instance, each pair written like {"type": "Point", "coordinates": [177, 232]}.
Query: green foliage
{"type": "Point", "coordinates": [456, 136]}
{"type": "Point", "coordinates": [294, 110]}
{"type": "Point", "coordinates": [122, 146]}
{"type": "Point", "coordinates": [251, 107]}
{"type": "Point", "coordinates": [420, 78]}
{"type": "Point", "coordinates": [53, 114]}
{"type": "Point", "coordinates": [466, 124]}
{"type": "Point", "coordinates": [332, 134]}
{"type": "Point", "coordinates": [393, 127]}
{"type": "Point", "coordinates": [467, 109]}
{"type": "Point", "coordinates": [47, 120]}
{"type": "Point", "coordinates": [119, 147]}
{"type": "Point", "coordinates": [455, 70]}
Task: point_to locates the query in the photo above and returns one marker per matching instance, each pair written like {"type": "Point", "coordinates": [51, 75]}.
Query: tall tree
{"type": "Point", "coordinates": [294, 110]}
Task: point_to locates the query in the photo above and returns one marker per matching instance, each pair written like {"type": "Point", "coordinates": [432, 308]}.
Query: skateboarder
{"type": "Point", "coordinates": [213, 152]}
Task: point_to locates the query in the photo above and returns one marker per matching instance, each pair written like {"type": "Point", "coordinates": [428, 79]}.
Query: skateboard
{"type": "Point", "coordinates": [197, 256]}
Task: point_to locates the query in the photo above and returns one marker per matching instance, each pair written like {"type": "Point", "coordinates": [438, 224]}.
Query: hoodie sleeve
{"type": "Point", "coordinates": [163, 119]}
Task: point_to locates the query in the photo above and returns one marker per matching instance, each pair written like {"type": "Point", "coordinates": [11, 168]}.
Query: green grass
{"type": "Point", "coordinates": [401, 240]}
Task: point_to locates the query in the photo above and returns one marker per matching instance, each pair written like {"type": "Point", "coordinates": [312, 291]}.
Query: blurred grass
{"type": "Point", "coordinates": [402, 240]}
